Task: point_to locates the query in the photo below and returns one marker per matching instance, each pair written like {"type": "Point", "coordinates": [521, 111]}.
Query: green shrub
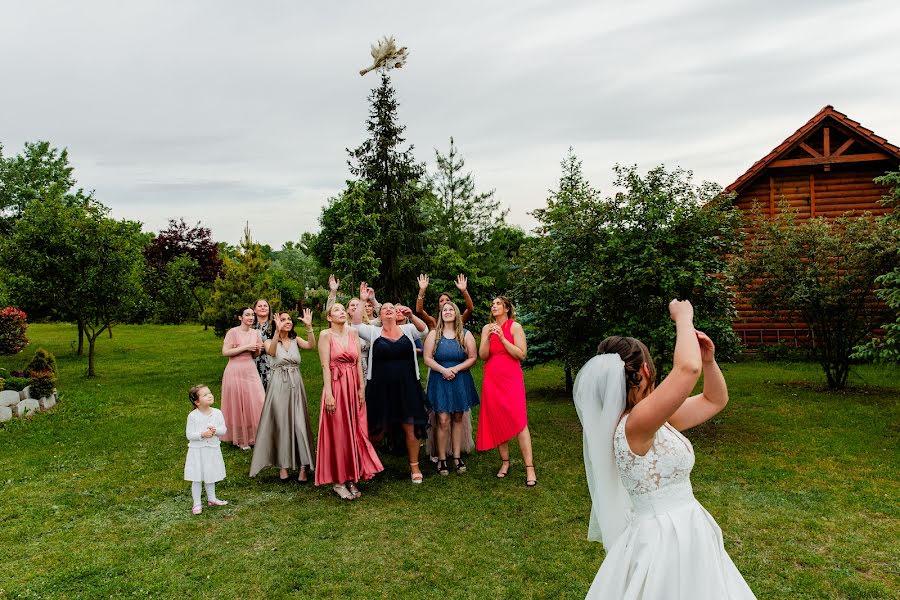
{"type": "Point", "coordinates": [15, 383]}
{"type": "Point", "coordinates": [42, 383]}
{"type": "Point", "coordinates": [2, 384]}
{"type": "Point", "coordinates": [42, 361]}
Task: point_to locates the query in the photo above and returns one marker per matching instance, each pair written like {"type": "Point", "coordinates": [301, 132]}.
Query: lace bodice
{"type": "Point", "coordinates": [668, 461]}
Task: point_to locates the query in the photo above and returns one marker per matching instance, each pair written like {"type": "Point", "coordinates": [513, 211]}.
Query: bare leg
{"type": "Point", "coordinates": [456, 432]}
{"type": "Point", "coordinates": [503, 449]}
{"type": "Point", "coordinates": [443, 429]}
{"type": "Point", "coordinates": [527, 456]}
{"type": "Point", "coordinates": [412, 448]}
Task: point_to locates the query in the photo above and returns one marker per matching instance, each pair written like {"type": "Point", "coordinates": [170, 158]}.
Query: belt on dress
{"type": "Point", "coordinates": [288, 373]}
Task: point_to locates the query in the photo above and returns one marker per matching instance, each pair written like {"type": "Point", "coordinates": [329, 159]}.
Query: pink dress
{"type": "Point", "coordinates": [503, 413]}
{"type": "Point", "coordinates": [344, 452]}
{"type": "Point", "coordinates": [243, 395]}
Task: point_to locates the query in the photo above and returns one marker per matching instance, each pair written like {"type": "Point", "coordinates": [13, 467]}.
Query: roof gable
{"type": "Point", "coordinates": [828, 138]}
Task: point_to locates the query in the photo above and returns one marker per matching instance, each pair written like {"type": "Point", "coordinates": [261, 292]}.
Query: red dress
{"type": "Point", "coordinates": [503, 413]}
{"type": "Point", "coordinates": [344, 452]}
{"type": "Point", "coordinates": [243, 395]}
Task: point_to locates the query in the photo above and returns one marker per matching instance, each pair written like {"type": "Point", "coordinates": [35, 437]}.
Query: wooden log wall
{"type": "Point", "coordinates": [812, 192]}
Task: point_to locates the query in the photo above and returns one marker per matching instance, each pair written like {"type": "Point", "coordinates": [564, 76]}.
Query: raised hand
{"type": "Point", "coordinates": [333, 284]}
{"type": "Point", "coordinates": [423, 282]}
{"type": "Point", "coordinates": [370, 294]}
{"type": "Point", "coordinates": [707, 347]}
{"type": "Point", "coordinates": [306, 319]}
{"type": "Point", "coordinates": [681, 309]}
{"type": "Point", "coordinates": [363, 290]}
{"type": "Point", "coordinates": [276, 317]}
{"type": "Point", "coordinates": [403, 310]}
{"type": "Point", "coordinates": [462, 282]}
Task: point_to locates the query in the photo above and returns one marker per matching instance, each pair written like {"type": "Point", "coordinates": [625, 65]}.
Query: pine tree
{"type": "Point", "coordinates": [395, 195]}
{"type": "Point", "coordinates": [460, 216]}
{"type": "Point", "coordinates": [243, 279]}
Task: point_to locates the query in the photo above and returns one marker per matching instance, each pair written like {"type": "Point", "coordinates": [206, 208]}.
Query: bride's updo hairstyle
{"type": "Point", "coordinates": [634, 354]}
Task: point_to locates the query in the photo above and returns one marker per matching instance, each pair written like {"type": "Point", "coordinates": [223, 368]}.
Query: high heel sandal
{"type": "Point", "coordinates": [442, 467]}
{"type": "Point", "coordinates": [501, 474]}
{"type": "Point", "coordinates": [460, 466]}
{"type": "Point", "coordinates": [530, 482]}
{"type": "Point", "coordinates": [341, 490]}
{"type": "Point", "coordinates": [415, 477]}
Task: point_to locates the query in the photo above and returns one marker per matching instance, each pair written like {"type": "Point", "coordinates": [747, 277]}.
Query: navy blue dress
{"type": "Point", "coordinates": [394, 394]}
{"type": "Point", "coordinates": [458, 394]}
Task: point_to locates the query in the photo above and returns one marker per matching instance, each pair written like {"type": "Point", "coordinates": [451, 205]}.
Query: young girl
{"type": "Point", "coordinates": [205, 425]}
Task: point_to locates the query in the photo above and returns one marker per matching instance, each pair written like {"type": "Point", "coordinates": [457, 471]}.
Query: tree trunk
{"type": "Point", "coordinates": [91, 342]}
{"type": "Point", "coordinates": [109, 329]}
{"type": "Point", "coordinates": [80, 337]}
{"type": "Point", "coordinates": [569, 380]}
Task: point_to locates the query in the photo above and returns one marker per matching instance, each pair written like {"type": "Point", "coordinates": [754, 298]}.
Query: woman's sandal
{"type": "Point", "coordinates": [442, 467]}
{"type": "Point", "coordinates": [415, 477]}
{"type": "Point", "coordinates": [501, 473]}
{"type": "Point", "coordinates": [530, 482]}
{"type": "Point", "coordinates": [341, 490]}
{"type": "Point", "coordinates": [460, 466]}
{"type": "Point", "coordinates": [354, 490]}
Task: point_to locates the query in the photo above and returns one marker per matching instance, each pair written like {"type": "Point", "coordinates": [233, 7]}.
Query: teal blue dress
{"type": "Point", "coordinates": [458, 394]}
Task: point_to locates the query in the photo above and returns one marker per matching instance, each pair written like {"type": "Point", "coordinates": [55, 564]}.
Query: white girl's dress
{"type": "Point", "coordinates": [204, 456]}
{"type": "Point", "coordinates": [672, 548]}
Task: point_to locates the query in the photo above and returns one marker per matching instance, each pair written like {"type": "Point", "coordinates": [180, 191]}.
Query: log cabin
{"type": "Point", "coordinates": [824, 169]}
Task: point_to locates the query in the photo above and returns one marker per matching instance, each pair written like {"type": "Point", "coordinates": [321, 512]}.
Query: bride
{"type": "Point", "coordinates": [660, 542]}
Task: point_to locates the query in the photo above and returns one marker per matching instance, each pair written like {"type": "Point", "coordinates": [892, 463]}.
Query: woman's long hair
{"type": "Point", "coordinates": [460, 333]}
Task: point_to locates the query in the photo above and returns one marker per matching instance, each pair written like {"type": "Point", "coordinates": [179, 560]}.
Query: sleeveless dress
{"type": "Point", "coordinates": [283, 438]}
{"type": "Point", "coordinates": [672, 547]}
{"type": "Point", "coordinates": [264, 361]}
{"type": "Point", "coordinates": [394, 393]}
{"type": "Point", "coordinates": [503, 413]}
{"type": "Point", "coordinates": [243, 395]}
{"type": "Point", "coordinates": [344, 451]}
{"type": "Point", "coordinates": [458, 394]}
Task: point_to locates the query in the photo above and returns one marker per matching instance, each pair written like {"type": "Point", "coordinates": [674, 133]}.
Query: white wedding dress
{"type": "Point", "coordinates": [671, 548]}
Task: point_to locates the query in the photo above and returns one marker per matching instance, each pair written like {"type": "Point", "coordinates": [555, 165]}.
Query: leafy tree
{"type": "Point", "coordinates": [72, 262]}
{"type": "Point", "coordinates": [242, 280]}
{"type": "Point", "coordinates": [824, 273]}
{"type": "Point", "coordinates": [294, 271]}
{"type": "Point", "coordinates": [887, 347]}
{"type": "Point", "coordinates": [462, 218]}
{"type": "Point", "coordinates": [39, 172]}
{"type": "Point", "coordinates": [199, 271]}
{"type": "Point", "coordinates": [394, 195]}
{"type": "Point", "coordinates": [610, 267]}
{"type": "Point", "coordinates": [350, 235]}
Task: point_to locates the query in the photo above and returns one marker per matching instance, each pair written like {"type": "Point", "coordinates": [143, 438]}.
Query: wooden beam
{"type": "Point", "coordinates": [843, 147]}
{"type": "Point", "coordinates": [812, 195]}
{"type": "Point", "coordinates": [829, 160]}
{"type": "Point", "coordinates": [827, 141]}
{"type": "Point", "coordinates": [771, 197]}
{"type": "Point", "coordinates": [810, 150]}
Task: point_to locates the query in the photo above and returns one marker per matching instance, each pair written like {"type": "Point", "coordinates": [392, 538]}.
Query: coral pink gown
{"type": "Point", "coordinates": [503, 414]}
{"type": "Point", "coordinates": [243, 395]}
{"type": "Point", "coordinates": [344, 452]}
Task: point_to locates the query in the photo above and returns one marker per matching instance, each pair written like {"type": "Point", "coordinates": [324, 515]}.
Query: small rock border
{"type": "Point", "coordinates": [21, 404]}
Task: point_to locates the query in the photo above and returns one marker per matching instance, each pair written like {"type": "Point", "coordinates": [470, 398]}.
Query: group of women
{"type": "Point", "coordinates": [372, 396]}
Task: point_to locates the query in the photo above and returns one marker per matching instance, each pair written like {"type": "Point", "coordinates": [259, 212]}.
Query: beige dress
{"type": "Point", "coordinates": [284, 438]}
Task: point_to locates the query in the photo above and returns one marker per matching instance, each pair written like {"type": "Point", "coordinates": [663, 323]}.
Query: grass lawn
{"type": "Point", "coordinates": [803, 482]}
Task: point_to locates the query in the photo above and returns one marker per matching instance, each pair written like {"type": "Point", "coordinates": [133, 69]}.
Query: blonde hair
{"type": "Point", "coordinates": [457, 327]}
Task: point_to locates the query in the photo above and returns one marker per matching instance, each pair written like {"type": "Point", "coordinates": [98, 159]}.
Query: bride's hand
{"type": "Point", "coordinates": [707, 347]}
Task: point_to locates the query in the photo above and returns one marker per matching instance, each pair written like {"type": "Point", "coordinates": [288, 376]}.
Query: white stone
{"type": "Point", "coordinates": [9, 398]}
{"type": "Point", "coordinates": [25, 393]}
{"type": "Point", "coordinates": [5, 413]}
{"type": "Point", "coordinates": [47, 402]}
{"type": "Point", "coordinates": [26, 407]}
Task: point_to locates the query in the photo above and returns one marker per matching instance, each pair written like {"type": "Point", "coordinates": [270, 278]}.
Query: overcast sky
{"type": "Point", "coordinates": [225, 111]}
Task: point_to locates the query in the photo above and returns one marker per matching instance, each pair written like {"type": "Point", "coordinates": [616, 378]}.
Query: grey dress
{"type": "Point", "coordinates": [284, 438]}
